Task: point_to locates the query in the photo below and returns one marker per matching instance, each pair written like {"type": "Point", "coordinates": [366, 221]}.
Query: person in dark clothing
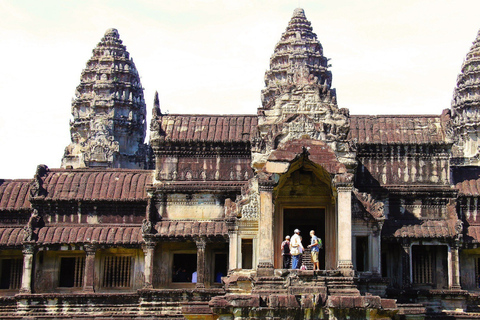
{"type": "Point", "coordinates": [287, 257]}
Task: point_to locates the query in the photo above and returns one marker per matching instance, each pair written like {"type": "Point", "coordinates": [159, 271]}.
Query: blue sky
{"type": "Point", "coordinates": [209, 56]}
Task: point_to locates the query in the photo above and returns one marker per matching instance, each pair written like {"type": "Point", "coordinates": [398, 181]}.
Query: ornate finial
{"type": "Point", "coordinates": [299, 12]}
{"type": "Point", "coordinates": [156, 106]}
{"type": "Point", "coordinates": [112, 33]}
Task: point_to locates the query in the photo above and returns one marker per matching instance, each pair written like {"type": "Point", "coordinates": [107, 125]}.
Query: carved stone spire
{"type": "Point", "coordinates": [109, 112]}
{"type": "Point", "coordinates": [156, 106]}
{"type": "Point", "coordinates": [466, 105]}
{"type": "Point", "coordinates": [298, 101]}
{"type": "Point", "coordinates": [297, 59]}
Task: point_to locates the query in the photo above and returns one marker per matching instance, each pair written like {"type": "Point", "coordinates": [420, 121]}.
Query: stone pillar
{"type": "Point", "coordinates": [149, 251]}
{"type": "Point", "coordinates": [455, 267]}
{"type": "Point", "coordinates": [406, 256]}
{"type": "Point", "coordinates": [89, 277]}
{"type": "Point", "coordinates": [201, 246]}
{"type": "Point", "coordinates": [28, 252]}
{"type": "Point", "coordinates": [265, 229]}
{"type": "Point", "coordinates": [344, 185]}
{"type": "Point", "coordinates": [232, 250]}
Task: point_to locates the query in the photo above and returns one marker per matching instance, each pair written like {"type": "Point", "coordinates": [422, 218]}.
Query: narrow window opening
{"type": "Point", "coordinates": [11, 273]}
{"type": "Point", "coordinates": [71, 272]}
{"type": "Point", "coordinates": [220, 266]}
{"type": "Point", "coordinates": [184, 265]}
{"type": "Point", "coordinates": [362, 253]}
{"type": "Point", "coordinates": [477, 273]}
{"type": "Point", "coordinates": [247, 253]}
{"type": "Point", "coordinates": [117, 272]}
{"type": "Point", "coordinates": [384, 265]}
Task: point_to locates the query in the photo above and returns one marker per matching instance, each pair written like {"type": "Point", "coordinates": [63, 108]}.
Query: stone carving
{"type": "Point", "coordinates": [108, 111]}
{"type": "Point", "coordinates": [375, 208]}
{"type": "Point", "coordinates": [464, 127]}
{"type": "Point", "coordinates": [298, 101]}
{"type": "Point", "coordinates": [147, 227]}
{"type": "Point", "coordinates": [251, 209]}
{"type": "Point", "coordinates": [36, 189]}
{"type": "Point", "coordinates": [28, 234]}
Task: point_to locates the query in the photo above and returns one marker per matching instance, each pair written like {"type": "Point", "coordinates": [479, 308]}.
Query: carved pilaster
{"type": "Point", "coordinates": [201, 246]}
{"type": "Point", "coordinates": [28, 253]}
{"type": "Point", "coordinates": [344, 185]}
{"type": "Point", "coordinates": [233, 248]}
{"type": "Point", "coordinates": [265, 230]}
{"type": "Point", "coordinates": [406, 256]}
{"type": "Point", "coordinates": [89, 276]}
{"type": "Point", "coordinates": [149, 251]}
{"type": "Point", "coordinates": [455, 267]}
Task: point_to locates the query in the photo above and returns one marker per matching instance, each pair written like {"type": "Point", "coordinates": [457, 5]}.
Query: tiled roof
{"type": "Point", "coordinates": [208, 127]}
{"type": "Point", "coordinates": [91, 184]}
{"type": "Point", "coordinates": [11, 236]}
{"type": "Point", "coordinates": [409, 129]}
{"type": "Point", "coordinates": [469, 187]}
{"type": "Point", "coordinates": [125, 234]}
{"type": "Point", "coordinates": [473, 234]}
{"type": "Point", "coordinates": [188, 229]}
{"type": "Point", "coordinates": [14, 194]}
{"type": "Point", "coordinates": [423, 229]}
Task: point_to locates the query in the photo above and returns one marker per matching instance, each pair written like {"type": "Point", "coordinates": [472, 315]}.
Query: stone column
{"type": "Point", "coordinates": [344, 185]}
{"type": "Point", "coordinates": [149, 251]}
{"type": "Point", "coordinates": [455, 267]}
{"type": "Point", "coordinates": [233, 248]}
{"type": "Point", "coordinates": [28, 252]}
{"type": "Point", "coordinates": [89, 277]}
{"type": "Point", "coordinates": [265, 229]}
{"type": "Point", "coordinates": [406, 253]}
{"type": "Point", "coordinates": [201, 246]}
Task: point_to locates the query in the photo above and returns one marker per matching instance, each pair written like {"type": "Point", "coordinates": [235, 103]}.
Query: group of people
{"type": "Point", "coordinates": [292, 250]}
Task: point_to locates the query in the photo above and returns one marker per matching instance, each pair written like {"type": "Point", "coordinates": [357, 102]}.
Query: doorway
{"type": "Point", "coordinates": [306, 219]}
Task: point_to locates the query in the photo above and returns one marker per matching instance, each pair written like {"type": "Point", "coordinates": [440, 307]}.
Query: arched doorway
{"type": "Point", "coordinates": [304, 199]}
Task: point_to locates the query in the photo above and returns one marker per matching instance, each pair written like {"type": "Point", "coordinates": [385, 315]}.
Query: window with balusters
{"type": "Point", "coordinates": [72, 271]}
{"type": "Point", "coordinates": [423, 264]}
{"type": "Point", "coordinates": [117, 271]}
{"type": "Point", "coordinates": [11, 273]}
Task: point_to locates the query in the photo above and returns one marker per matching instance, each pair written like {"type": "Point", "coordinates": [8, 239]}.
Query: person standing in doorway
{"type": "Point", "coordinates": [295, 243]}
{"type": "Point", "coordinates": [287, 257]}
{"type": "Point", "coordinates": [315, 244]}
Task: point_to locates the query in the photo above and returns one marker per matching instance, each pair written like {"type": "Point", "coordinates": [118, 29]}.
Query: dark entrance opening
{"type": "Point", "coordinates": [306, 219]}
{"type": "Point", "coordinates": [220, 266]}
{"type": "Point", "coordinates": [247, 253]}
{"type": "Point", "coordinates": [184, 265]}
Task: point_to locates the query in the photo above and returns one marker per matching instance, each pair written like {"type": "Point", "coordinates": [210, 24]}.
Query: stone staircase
{"type": "Point", "coordinates": [269, 285]}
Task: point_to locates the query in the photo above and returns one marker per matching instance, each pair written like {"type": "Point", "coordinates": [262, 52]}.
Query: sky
{"type": "Point", "coordinates": [210, 56]}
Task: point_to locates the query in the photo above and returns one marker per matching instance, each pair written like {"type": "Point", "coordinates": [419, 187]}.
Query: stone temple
{"type": "Point", "coordinates": [189, 226]}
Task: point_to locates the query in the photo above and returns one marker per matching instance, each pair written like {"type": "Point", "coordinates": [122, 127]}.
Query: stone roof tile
{"type": "Point", "coordinates": [469, 187]}
{"type": "Point", "coordinates": [90, 184]}
{"type": "Point", "coordinates": [189, 229]}
{"type": "Point", "coordinates": [14, 194]}
{"type": "Point", "coordinates": [78, 234]}
{"type": "Point", "coordinates": [426, 229]}
{"type": "Point", "coordinates": [208, 127]}
{"type": "Point", "coordinates": [395, 129]}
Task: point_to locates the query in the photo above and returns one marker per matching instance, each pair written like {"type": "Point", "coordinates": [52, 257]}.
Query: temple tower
{"type": "Point", "coordinates": [466, 109]}
{"type": "Point", "coordinates": [109, 112]}
{"type": "Point", "coordinates": [298, 101]}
